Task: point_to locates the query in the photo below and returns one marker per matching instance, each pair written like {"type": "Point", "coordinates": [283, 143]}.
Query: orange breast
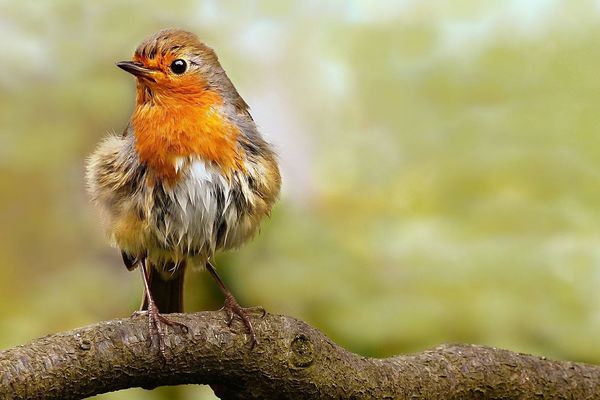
{"type": "Point", "coordinates": [172, 129]}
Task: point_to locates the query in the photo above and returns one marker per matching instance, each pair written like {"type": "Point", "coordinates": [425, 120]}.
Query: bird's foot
{"type": "Point", "coordinates": [157, 326]}
{"type": "Point", "coordinates": [138, 313]}
{"type": "Point", "coordinates": [232, 308]}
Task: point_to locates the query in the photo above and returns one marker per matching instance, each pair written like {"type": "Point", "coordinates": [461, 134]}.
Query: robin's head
{"type": "Point", "coordinates": [175, 65]}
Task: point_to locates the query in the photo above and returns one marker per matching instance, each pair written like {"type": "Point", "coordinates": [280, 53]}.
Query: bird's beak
{"type": "Point", "coordinates": [136, 69]}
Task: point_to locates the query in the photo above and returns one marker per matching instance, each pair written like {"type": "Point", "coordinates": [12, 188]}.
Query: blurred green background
{"type": "Point", "coordinates": [441, 163]}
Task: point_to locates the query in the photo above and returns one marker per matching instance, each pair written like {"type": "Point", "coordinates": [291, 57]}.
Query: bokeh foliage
{"type": "Point", "coordinates": [440, 160]}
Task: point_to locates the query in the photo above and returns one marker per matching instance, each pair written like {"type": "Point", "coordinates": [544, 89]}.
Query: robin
{"type": "Point", "coordinates": [189, 176]}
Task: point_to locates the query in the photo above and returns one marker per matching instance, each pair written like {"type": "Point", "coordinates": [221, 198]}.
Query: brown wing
{"type": "Point", "coordinates": [129, 261]}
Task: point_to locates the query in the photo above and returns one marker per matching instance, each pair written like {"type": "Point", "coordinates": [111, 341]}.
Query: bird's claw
{"type": "Point", "coordinates": [138, 313]}
{"type": "Point", "coordinates": [232, 308]}
{"type": "Point", "coordinates": [156, 327]}
{"type": "Point", "coordinates": [257, 309]}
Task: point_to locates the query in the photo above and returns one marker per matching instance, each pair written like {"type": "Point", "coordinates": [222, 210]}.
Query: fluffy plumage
{"type": "Point", "coordinates": [204, 210]}
{"type": "Point", "coordinates": [191, 174]}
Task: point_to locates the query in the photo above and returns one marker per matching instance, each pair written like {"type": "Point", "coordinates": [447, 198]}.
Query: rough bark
{"type": "Point", "coordinates": [291, 361]}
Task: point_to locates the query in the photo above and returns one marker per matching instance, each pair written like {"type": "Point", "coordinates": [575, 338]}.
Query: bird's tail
{"type": "Point", "coordinates": [167, 290]}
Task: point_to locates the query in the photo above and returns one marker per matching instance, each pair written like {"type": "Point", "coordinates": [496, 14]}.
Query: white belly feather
{"type": "Point", "coordinates": [206, 211]}
{"type": "Point", "coordinates": [202, 212]}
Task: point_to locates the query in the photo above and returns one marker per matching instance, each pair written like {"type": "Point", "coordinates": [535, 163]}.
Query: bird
{"type": "Point", "coordinates": [189, 176]}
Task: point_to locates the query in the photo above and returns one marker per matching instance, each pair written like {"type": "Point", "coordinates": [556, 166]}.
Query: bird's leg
{"type": "Point", "coordinates": [154, 318]}
{"type": "Point", "coordinates": [232, 307]}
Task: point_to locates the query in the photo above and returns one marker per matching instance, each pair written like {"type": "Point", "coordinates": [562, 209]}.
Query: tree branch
{"type": "Point", "coordinates": [292, 361]}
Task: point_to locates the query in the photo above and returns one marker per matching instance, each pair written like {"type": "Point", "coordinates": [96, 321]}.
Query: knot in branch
{"type": "Point", "coordinates": [302, 351]}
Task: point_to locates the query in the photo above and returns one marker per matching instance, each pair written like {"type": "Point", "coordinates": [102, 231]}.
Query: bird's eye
{"type": "Point", "coordinates": [178, 66]}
